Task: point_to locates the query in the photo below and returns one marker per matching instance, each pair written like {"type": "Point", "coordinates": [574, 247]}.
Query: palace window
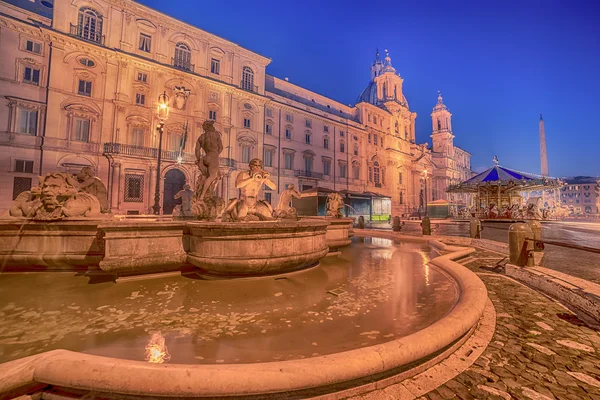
{"type": "Point", "coordinates": [401, 198]}
{"type": "Point", "coordinates": [28, 120]}
{"type": "Point", "coordinates": [134, 188]}
{"type": "Point", "coordinates": [81, 129]}
{"type": "Point", "coordinates": [342, 170]}
{"type": "Point", "coordinates": [308, 163]}
{"type": "Point", "coordinates": [247, 123]}
{"type": "Point", "coordinates": [137, 136]}
{"type": "Point", "coordinates": [374, 119]}
{"type": "Point", "coordinates": [308, 123]}
{"type": "Point", "coordinates": [289, 118]}
{"type": "Point", "coordinates": [84, 88]}
{"type": "Point", "coordinates": [325, 128]}
{"type": "Point", "coordinates": [145, 42]}
{"type": "Point", "coordinates": [182, 57]}
{"type": "Point", "coordinates": [355, 149]}
{"type": "Point", "coordinates": [356, 171]}
{"type": "Point", "coordinates": [375, 139]}
{"type": "Point", "coordinates": [369, 138]}
{"type": "Point", "coordinates": [248, 79]}
{"type": "Point", "coordinates": [342, 133]}
{"type": "Point", "coordinates": [342, 147]}
{"type": "Point", "coordinates": [89, 24]}
{"type": "Point", "coordinates": [215, 66]}
{"type": "Point", "coordinates": [246, 153]}
{"type": "Point", "coordinates": [142, 77]}
{"type": "Point", "coordinates": [212, 115]}
{"type": "Point", "coordinates": [268, 129]}
{"type": "Point", "coordinates": [288, 133]}
{"type": "Point", "coordinates": [400, 178]}
{"type": "Point", "coordinates": [307, 136]}
{"type": "Point", "coordinates": [376, 173]}
{"type": "Point", "coordinates": [289, 160]}
{"type": "Point", "coordinates": [33, 47]}
{"type": "Point", "coordinates": [327, 167]}
{"type": "Point", "coordinates": [176, 141]}
{"type": "Point", "coordinates": [140, 99]}
{"type": "Point", "coordinates": [24, 166]}
{"type": "Point", "coordinates": [269, 112]}
{"type": "Point", "coordinates": [268, 157]}
{"type": "Point", "coordinates": [20, 185]}
{"type": "Point", "coordinates": [31, 75]}
{"type": "Point", "coordinates": [325, 142]}
{"type": "Point", "coordinates": [86, 62]}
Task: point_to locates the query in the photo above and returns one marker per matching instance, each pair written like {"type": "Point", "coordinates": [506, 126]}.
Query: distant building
{"type": "Point", "coordinates": [582, 194]}
{"type": "Point", "coordinates": [84, 92]}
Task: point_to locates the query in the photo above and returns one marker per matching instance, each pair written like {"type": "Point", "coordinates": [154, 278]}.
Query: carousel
{"type": "Point", "coordinates": [503, 193]}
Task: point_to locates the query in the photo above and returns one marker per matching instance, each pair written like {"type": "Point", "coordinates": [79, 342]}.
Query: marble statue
{"type": "Point", "coordinates": [335, 204]}
{"type": "Point", "coordinates": [284, 210]}
{"type": "Point", "coordinates": [89, 183]}
{"type": "Point", "coordinates": [205, 204]}
{"type": "Point", "coordinates": [247, 207]}
{"type": "Point", "coordinates": [56, 197]}
{"type": "Point", "coordinates": [185, 208]}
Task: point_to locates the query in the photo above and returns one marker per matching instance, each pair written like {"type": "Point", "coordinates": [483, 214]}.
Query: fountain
{"type": "Point", "coordinates": [306, 325]}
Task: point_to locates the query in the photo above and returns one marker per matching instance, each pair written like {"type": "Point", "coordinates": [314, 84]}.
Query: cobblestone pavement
{"type": "Point", "coordinates": [539, 350]}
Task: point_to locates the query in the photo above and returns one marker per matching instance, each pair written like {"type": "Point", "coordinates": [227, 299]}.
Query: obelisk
{"type": "Point", "coordinates": [543, 153]}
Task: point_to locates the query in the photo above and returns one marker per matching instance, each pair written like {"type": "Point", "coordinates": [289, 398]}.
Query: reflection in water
{"type": "Point", "coordinates": [390, 292]}
{"type": "Point", "coordinates": [156, 349]}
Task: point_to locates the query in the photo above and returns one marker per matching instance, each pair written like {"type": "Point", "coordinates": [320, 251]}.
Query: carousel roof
{"type": "Point", "coordinates": [508, 180]}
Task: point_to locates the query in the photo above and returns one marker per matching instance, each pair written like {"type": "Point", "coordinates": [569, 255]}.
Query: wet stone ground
{"type": "Point", "coordinates": [384, 291]}
{"type": "Point", "coordinates": [539, 350]}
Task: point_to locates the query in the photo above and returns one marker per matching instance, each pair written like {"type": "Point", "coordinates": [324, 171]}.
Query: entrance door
{"type": "Point", "coordinates": [174, 181]}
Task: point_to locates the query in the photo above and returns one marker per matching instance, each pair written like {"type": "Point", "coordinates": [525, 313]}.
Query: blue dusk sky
{"type": "Point", "coordinates": [498, 66]}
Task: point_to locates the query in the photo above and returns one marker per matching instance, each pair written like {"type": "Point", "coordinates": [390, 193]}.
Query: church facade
{"type": "Point", "coordinates": [80, 89]}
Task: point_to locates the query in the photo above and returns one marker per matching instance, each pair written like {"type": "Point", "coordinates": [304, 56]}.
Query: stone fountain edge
{"type": "Point", "coordinates": [111, 375]}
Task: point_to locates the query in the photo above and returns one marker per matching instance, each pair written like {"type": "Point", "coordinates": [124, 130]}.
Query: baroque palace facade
{"type": "Point", "coordinates": [79, 83]}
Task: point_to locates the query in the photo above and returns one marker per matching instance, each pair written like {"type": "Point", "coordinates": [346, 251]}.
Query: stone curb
{"type": "Point", "coordinates": [74, 370]}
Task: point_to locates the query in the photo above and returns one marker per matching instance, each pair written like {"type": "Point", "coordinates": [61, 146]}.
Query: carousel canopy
{"type": "Point", "coordinates": [504, 179]}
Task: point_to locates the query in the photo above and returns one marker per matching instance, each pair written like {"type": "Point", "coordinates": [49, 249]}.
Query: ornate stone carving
{"type": "Point", "coordinates": [55, 198]}
{"type": "Point", "coordinates": [88, 183]}
{"type": "Point", "coordinates": [205, 204]}
{"type": "Point", "coordinates": [335, 204]}
{"type": "Point", "coordinates": [284, 210]}
{"type": "Point", "coordinates": [248, 207]}
{"type": "Point", "coordinates": [181, 95]}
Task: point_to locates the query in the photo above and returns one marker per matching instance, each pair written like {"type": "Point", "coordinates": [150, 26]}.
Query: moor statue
{"type": "Point", "coordinates": [209, 145]}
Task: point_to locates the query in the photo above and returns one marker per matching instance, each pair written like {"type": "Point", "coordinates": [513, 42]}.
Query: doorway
{"type": "Point", "coordinates": [174, 181]}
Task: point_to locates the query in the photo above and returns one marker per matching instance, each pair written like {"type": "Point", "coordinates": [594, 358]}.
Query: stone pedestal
{"type": "Point", "coordinates": [142, 247]}
{"type": "Point", "coordinates": [39, 245]}
{"type": "Point", "coordinates": [339, 231]}
{"type": "Point", "coordinates": [241, 249]}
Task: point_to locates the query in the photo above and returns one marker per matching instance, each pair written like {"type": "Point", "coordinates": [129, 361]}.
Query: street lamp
{"type": "Point", "coordinates": [163, 113]}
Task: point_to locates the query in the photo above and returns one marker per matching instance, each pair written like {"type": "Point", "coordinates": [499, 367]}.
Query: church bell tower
{"type": "Point", "coordinates": [441, 127]}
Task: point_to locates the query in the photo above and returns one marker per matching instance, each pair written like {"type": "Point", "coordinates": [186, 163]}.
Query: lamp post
{"type": "Point", "coordinates": [163, 114]}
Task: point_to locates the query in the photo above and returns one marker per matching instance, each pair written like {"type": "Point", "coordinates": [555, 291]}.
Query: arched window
{"type": "Point", "coordinates": [384, 91]}
{"type": "Point", "coordinates": [355, 170]}
{"type": "Point", "coordinates": [439, 125]}
{"type": "Point", "coordinates": [89, 24]}
{"type": "Point", "coordinates": [376, 173]}
{"type": "Point", "coordinates": [183, 57]}
{"type": "Point", "coordinates": [248, 79]}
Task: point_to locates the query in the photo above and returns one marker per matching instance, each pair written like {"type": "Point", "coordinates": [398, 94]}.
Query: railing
{"type": "Point", "coordinates": [249, 88]}
{"type": "Point", "coordinates": [227, 162]}
{"type": "Point", "coordinates": [182, 65]}
{"type": "Point", "coordinates": [87, 34]}
{"type": "Point", "coordinates": [146, 152]}
{"type": "Point", "coordinates": [308, 174]}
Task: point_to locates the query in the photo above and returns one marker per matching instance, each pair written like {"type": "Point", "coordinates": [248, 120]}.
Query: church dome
{"type": "Point", "coordinates": [369, 95]}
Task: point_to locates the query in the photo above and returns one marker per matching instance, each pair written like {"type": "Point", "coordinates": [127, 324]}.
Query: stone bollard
{"type": "Point", "coordinates": [426, 225]}
{"type": "Point", "coordinates": [475, 225]}
{"type": "Point", "coordinates": [361, 222]}
{"type": "Point", "coordinates": [536, 229]}
{"type": "Point", "coordinates": [396, 225]}
{"type": "Point", "coordinates": [520, 250]}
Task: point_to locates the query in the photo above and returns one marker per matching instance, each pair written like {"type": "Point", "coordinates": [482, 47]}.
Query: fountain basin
{"type": "Point", "coordinates": [339, 231]}
{"type": "Point", "coordinates": [142, 247]}
{"type": "Point", "coordinates": [65, 245]}
{"type": "Point", "coordinates": [256, 248]}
